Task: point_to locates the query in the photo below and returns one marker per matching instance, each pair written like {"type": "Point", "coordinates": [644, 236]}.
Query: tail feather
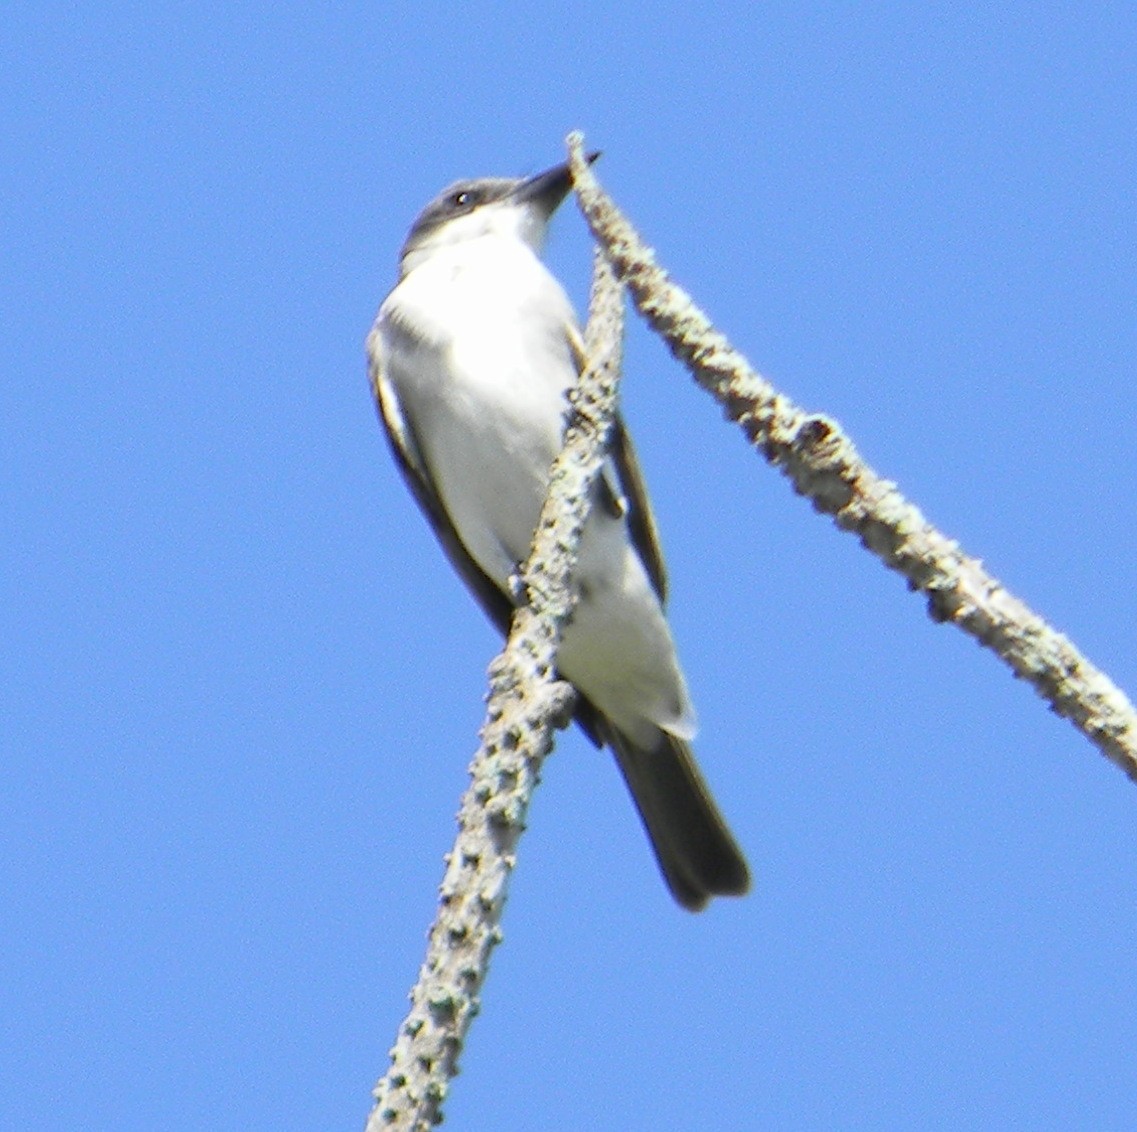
{"type": "Point", "coordinates": [696, 851]}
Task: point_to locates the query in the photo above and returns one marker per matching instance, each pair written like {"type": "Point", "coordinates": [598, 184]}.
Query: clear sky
{"type": "Point", "coordinates": [241, 686]}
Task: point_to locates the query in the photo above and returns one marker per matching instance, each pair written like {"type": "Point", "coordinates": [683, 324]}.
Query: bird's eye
{"type": "Point", "coordinates": [460, 200]}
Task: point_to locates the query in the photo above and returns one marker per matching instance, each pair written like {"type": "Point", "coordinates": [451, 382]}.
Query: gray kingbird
{"type": "Point", "coordinates": [471, 357]}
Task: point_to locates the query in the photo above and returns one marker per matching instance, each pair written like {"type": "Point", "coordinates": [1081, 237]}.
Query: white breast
{"type": "Point", "coordinates": [477, 346]}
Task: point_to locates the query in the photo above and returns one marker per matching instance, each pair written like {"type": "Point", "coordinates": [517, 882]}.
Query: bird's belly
{"type": "Point", "coordinates": [486, 399]}
{"type": "Point", "coordinates": [490, 447]}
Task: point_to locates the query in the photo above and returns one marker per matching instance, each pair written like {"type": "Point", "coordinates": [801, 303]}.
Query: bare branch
{"type": "Point", "coordinates": [526, 702]}
{"type": "Point", "coordinates": [822, 464]}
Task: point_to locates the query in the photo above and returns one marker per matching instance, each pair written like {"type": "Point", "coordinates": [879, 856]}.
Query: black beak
{"type": "Point", "coordinates": [548, 189]}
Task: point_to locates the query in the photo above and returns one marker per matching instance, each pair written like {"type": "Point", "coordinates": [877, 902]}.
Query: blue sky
{"type": "Point", "coordinates": [241, 686]}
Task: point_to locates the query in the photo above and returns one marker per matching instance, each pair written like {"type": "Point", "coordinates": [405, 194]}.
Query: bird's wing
{"type": "Point", "coordinates": [408, 456]}
{"type": "Point", "coordinates": [629, 492]}
{"type": "Point", "coordinates": [641, 521]}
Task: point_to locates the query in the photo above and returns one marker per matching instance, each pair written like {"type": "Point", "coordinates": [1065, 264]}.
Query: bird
{"type": "Point", "coordinates": [471, 357]}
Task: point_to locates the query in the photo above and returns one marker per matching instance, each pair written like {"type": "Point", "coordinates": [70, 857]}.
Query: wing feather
{"type": "Point", "coordinates": [629, 491]}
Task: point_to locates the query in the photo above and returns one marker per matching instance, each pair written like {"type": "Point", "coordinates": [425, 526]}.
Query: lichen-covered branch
{"type": "Point", "coordinates": [526, 703]}
{"type": "Point", "coordinates": [822, 464]}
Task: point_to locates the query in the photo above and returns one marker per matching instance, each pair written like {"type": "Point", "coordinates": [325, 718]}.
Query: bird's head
{"type": "Point", "coordinates": [511, 208]}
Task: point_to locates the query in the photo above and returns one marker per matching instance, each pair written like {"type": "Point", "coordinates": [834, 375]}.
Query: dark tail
{"type": "Point", "coordinates": [696, 851]}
